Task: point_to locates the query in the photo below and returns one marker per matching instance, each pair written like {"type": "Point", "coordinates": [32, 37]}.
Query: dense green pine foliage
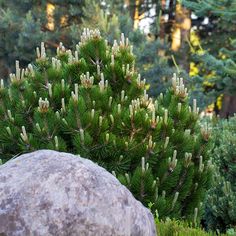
{"type": "Point", "coordinates": [93, 102]}
{"type": "Point", "coordinates": [153, 56]}
{"type": "Point", "coordinates": [97, 16]}
{"type": "Point", "coordinates": [221, 200]}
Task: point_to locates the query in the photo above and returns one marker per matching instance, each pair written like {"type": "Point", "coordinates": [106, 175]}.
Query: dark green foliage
{"type": "Point", "coordinates": [221, 17]}
{"type": "Point", "coordinates": [153, 57]}
{"type": "Point", "coordinates": [217, 60]}
{"type": "Point", "coordinates": [93, 102]}
{"type": "Point", "coordinates": [24, 21]}
{"type": "Point", "coordinates": [216, 75]}
{"type": "Point", "coordinates": [221, 199]}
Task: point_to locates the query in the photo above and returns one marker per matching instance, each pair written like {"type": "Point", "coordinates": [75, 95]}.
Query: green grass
{"type": "Point", "coordinates": [180, 228]}
{"type": "Point", "coordinates": [172, 227]}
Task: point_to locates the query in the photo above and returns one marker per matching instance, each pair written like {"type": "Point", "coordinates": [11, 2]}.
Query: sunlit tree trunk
{"type": "Point", "coordinates": [161, 7]}
{"type": "Point", "coordinates": [134, 10]}
{"type": "Point", "coordinates": [50, 19]}
{"type": "Point", "coordinates": [181, 27]}
{"type": "Point", "coordinates": [130, 6]}
{"type": "Point", "coordinates": [181, 34]}
{"type": "Point", "coordinates": [136, 14]}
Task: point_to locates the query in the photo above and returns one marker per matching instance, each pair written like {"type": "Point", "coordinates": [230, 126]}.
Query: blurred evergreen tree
{"type": "Point", "coordinates": [153, 55]}
{"type": "Point", "coordinates": [56, 21]}
{"type": "Point", "coordinates": [23, 23]}
{"type": "Point", "coordinates": [98, 16]}
{"type": "Point", "coordinates": [216, 26]}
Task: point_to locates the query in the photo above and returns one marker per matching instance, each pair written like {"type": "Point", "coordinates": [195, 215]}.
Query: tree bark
{"type": "Point", "coordinates": [171, 18]}
{"type": "Point", "coordinates": [228, 106]}
{"type": "Point", "coordinates": [181, 34]}
{"type": "Point", "coordinates": [4, 70]}
{"type": "Point", "coordinates": [136, 14]}
{"type": "Point", "coordinates": [162, 20]}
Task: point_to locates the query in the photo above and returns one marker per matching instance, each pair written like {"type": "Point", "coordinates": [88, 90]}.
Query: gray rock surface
{"type": "Point", "coordinates": [52, 193]}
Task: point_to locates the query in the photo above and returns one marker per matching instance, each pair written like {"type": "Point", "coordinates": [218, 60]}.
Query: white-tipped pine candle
{"type": "Point", "coordinates": [165, 116]}
{"type": "Point", "coordinates": [143, 164]}
{"type": "Point", "coordinates": [81, 131]}
{"type": "Point", "coordinates": [179, 107]}
{"type": "Point", "coordinates": [166, 142]}
{"type": "Point", "coordinates": [112, 119]}
{"type": "Point", "coordinates": [110, 101]}
{"type": "Point", "coordinates": [112, 60]}
{"type": "Point", "coordinates": [92, 113]}
{"type": "Point", "coordinates": [50, 90]}
{"type": "Point", "coordinates": [175, 199]}
{"type": "Point", "coordinates": [63, 106]}
{"type": "Point", "coordinates": [24, 135]}
{"type": "Point", "coordinates": [100, 121]}
{"type": "Point", "coordinates": [56, 142]}
{"type": "Point", "coordinates": [9, 131]}
{"type": "Point", "coordinates": [119, 108]}
{"type": "Point", "coordinates": [2, 84]}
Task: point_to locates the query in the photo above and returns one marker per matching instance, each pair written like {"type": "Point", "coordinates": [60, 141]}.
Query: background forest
{"type": "Point", "coordinates": [195, 39]}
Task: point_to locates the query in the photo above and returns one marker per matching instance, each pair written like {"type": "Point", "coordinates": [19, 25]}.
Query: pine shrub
{"type": "Point", "coordinates": [221, 199]}
{"type": "Point", "coordinates": [93, 102]}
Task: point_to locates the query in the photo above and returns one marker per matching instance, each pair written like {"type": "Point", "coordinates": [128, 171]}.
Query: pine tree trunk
{"type": "Point", "coordinates": [171, 18]}
{"type": "Point", "coordinates": [228, 106]}
{"type": "Point", "coordinates": [134, 11]}
{"type": "Point", "coordinates": [181, 34]}
{"type": "Point", "coordinates": [136, 14]}
{"type": "Point", "coordinates": [4, 70]}
{"type": "Point", "coordinates": [162, 20]}
{"type": "Point", "coordinates": [50, 19]}
{"type": "Point", "coordinates": [131, 6]}
{"type": "Point", "coordinates": [162, 31]}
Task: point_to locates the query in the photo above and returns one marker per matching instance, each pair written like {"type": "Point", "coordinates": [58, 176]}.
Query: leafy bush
{"type": "Point", "coordinates": [93, 102]}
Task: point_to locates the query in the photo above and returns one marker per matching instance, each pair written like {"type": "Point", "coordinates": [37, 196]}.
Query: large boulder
{"type": "Point", "coordinates": [53, 193]}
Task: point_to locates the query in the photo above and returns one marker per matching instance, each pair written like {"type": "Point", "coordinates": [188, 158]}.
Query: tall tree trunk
{"type": "Point", "coordinates": [181, 34]}
{"type": "Point", "coordinates": [171, 18]}
{"type": "Point", "coordinates": [134, 11]}
{"type": "Point", "coordinates": [136, 14]}
{"type": "Point", "coordinates": [4, 70]}
{"type": "Point", "coordinates": [131, 5]}
{"type": "Point", "coordinates": [228, 106]}
{"type": "Point", "coordinates": [50, 19]}
{"type": "Point", "coordinates": [161, 8]}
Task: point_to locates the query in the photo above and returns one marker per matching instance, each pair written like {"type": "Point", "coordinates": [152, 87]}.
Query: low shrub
{"type": "Point", "coordinates": [220, 212]}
